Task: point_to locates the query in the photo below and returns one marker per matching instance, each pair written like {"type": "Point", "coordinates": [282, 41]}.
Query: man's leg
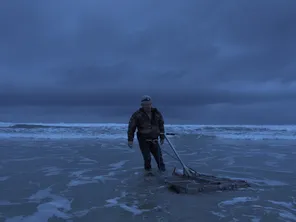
{"type": "Point", "coordinates": [144, 147]}
{"type": "Point", "coordinates": [157, 154]}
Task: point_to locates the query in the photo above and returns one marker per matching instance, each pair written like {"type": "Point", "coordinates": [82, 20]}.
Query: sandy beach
{"type": "Point", "coordinates": [88, 180]}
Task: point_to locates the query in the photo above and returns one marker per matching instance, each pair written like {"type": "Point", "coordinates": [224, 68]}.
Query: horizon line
{"type": "Point", "coordinates": [114, 123]}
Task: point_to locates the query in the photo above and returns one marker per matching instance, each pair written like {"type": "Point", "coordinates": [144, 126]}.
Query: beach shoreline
{"type": "Point", "coordinates": [87, 179]}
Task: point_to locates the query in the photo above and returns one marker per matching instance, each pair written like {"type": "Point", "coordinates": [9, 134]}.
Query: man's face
{"type": "Point", "coordinates": [147, 107]}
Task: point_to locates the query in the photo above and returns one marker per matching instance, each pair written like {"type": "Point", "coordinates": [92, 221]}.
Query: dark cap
{"type": "Point", "coordinates": [146, 100]}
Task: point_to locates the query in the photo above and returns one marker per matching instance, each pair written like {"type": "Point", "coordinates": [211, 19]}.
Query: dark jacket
{"type": "Point", "coordinates": [147, 127]}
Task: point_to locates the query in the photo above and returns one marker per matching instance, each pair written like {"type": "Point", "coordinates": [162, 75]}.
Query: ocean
{"type": "Point", "coordinates": [86, 172]}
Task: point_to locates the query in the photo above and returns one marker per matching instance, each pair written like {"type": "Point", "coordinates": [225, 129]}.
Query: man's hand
{"type": "Point", "coordinates": [130, 144]}
{"type": "Point", "coordinates": [162, 136]}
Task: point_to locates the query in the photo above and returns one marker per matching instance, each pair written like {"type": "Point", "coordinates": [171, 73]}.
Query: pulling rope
{"type": "Point", "coordinates": [159, 150]}
{"type": "Point", "coordinates": [155, 141]}
{"type": "Point", "coordinates": [187, 170]}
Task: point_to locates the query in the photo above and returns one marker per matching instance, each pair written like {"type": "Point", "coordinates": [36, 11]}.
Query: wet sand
{"type": "Point", "coordinates": [102, 180]}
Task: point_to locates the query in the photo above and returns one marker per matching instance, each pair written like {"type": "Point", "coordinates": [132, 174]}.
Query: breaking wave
{"type": "Point", "coordinates": [113, 130]}
{"type": "Point", "coordinates": [33, 126]}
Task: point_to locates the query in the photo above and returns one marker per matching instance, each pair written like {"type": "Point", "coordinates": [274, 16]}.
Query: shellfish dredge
{"type": "Point", "coordinates": [189, 181]}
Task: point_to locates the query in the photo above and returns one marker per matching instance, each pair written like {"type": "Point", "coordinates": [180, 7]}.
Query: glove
{"type": "Point", "coordinates": [130, 144]}
{"type": "Point", "coordinates": [161, 141]}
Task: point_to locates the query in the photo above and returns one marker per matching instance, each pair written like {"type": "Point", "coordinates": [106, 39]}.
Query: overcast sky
{"type": "Point", "coordinates": [202, 61]}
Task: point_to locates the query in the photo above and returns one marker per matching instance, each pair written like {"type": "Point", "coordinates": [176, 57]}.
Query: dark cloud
{"type": "Point", "coordinates": [264, 113]}
{"type": "Point", "coordinates": [110, 53]}
{"type": "Point", "coordinates": [128, 98]}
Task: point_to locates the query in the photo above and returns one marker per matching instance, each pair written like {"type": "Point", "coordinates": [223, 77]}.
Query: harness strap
{"type": "Point", "coordinates": [154, 141]}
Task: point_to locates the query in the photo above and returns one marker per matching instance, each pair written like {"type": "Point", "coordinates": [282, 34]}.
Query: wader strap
{"type": "Point", "coordinates": [154, 141]}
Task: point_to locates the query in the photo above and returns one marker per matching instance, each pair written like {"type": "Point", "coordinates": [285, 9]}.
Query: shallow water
{"type": "Point", "coordinates": [93, 179]}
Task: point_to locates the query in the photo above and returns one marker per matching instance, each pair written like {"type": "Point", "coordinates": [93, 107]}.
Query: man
{"type": "Point", "coordinates": [150, 125]}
